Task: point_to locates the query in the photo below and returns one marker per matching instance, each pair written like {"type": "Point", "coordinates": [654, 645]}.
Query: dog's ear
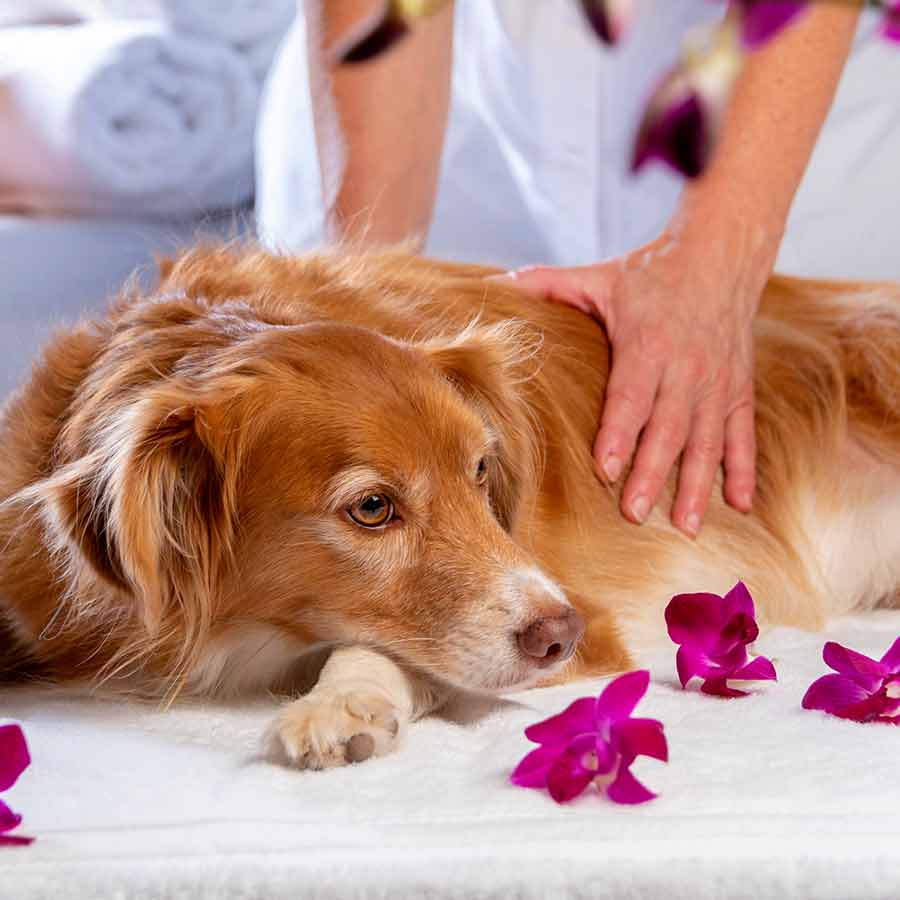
{"type": "Point", "coordinates": [491, 366]}
{"type": "Point", "coordinates": [151, 509]}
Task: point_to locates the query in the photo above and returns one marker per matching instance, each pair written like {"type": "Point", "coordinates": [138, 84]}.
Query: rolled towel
{"type": "Point", "coordinates": [254, 28]}
{"type": "Point", "coordinates": [123, 117]}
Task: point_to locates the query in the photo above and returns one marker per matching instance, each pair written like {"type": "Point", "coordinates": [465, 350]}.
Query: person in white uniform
{"type": "Point", "coordinates": [500, 132]}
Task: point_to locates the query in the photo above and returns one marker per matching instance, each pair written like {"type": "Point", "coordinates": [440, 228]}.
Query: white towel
{"type": "Point", "coordinates": [254, 28]}
{"type": "Point", "coordinates": [760, 800]}
{"type": "Point", "coordinates": [123, 117]}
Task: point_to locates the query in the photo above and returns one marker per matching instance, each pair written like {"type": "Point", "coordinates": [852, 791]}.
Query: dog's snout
{"type": "Point", "coordinates": [551, 639]}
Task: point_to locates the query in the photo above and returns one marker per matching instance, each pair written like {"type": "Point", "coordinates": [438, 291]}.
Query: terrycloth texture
{"type": "Point", "coordinates": [761, 799]}
{"type": "Point", "coordinates": [254, 28]}
{"type": "Point", "coordinates": [123, 117]}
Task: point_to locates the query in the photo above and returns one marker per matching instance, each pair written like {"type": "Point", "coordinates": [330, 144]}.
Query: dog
{"type": "Point", "coordinates": [369, 477]}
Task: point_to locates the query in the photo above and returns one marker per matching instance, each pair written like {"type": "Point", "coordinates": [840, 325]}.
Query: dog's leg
{"type": "Point", "coordinates": [359, 708]}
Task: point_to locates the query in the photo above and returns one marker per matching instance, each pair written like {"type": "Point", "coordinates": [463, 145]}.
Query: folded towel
{"type": "Point", "coordinates": [254, 28]}
{"type": "Point", "coordinates": [123, 117]}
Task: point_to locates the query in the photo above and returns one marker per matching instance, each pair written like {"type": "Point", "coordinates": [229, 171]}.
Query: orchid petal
{"type": "Point", "coordinates": [759, 669]}
{"type": "Point", "coordinates": [726, 663]}
{"type": "Point", "coordinates": [674, 129]}
{"type": "Point", "coordinates": [8, 819]}
{"type": "Point", "coordinates": [640, 737]}
{"type": "Point", "coordinates": [891, 659]}
{"type": "Point", "coordinates": [761, 20]}
{"type": "Point", "coordinates": [14, 756]}
{"type": "Point", "coordinates": [592, 753]}
{"type": "Point", "coordinates": [578, 717]}
{"type": "Point", "coordinates": [872, 709]}
{"type": "Point", "coordinates": [739, 600]}
{"type": "Point", "coordinates": [608, 18]}
{"type": "Point", "coordinates": [690, 663]}
{"type": "Point", "coordinates": [627, 789]}
{"type": "Point", "coordinates": [890, 24]}
{"type": "Point", "coordinates": [566, 780]}
{"type": "Point", "coordinates": [532, 771]}
{"type": "Point", "coordinates": [718, 687]}
{"type": "Point", "coordinates": [15, 839]}
{"type": "Point", "coordinates": [867, 672]}
{"type": "Point", "coordinates": [622, 695]}
{"type": "Point", "coordinates": [739, 629]}
{"type": "Point", "coordinates": [694, 619]}
{"type": "Point", "coordinates": [833, 692]}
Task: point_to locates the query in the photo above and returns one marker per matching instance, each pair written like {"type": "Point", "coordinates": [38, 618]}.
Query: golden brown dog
{"type": "Point", "coordinates": [388, 460]}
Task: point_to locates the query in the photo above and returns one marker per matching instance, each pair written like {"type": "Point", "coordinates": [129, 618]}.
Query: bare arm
{"type": "Point", "coordinates": [680, 310]}
{"type": "Point", "coordinates": [392, 115]}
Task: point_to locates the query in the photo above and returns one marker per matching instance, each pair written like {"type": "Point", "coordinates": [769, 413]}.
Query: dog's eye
{"type": "Point", "coordinates": [372, 511]}
{"type": "Point", "coordinates": [481, 472]}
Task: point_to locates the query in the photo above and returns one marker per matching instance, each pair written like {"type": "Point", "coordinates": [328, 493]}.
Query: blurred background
{"type": "Point", "coordinates": [131, 127]}
{"type": "Point", "coordinates": [126, 129]}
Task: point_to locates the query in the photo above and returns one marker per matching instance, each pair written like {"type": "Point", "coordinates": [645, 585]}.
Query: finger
{"type": "Point", "coordinates": [699, 465]}
{"type": "Point", "coordinates": [585, 288]}
{"type": "Point", "coordinates": [661, 444]}
{"type": "Point", "coordinates": [630, 394]}
{"type": "Point", "coordinates": [740, 456]}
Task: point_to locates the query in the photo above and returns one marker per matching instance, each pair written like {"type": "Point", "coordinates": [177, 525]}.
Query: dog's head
{"type": "Point", "coordinates": [328, 480]}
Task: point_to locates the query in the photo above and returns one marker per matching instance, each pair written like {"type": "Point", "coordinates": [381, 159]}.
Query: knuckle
{"type": "Point", "coordinates": [670, 435]}
{"type": "Point", "coordinates": [629, 403]}
{"type": "Point", "coordinates": [706, 447]}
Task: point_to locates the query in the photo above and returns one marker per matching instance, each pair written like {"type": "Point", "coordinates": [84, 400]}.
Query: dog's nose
{"type": "Point", "coordinates": [551, 639]}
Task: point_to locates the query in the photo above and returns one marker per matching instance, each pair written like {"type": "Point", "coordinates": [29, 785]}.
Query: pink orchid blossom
{"type": "Point", "coordinates": [890, 23]}
{"type": "Point", "coordinates": [594, 740]}
{"type": "Point", "coordinates": [683, 117]}
{"type": "Point", "coordinates": [610, 19]}
{"type": "Point", "coordinates": [864, 690]}
{"type": "Point", "coordinates": [713, 633]}
{"type": "Point", "coordinates": [14, 759]}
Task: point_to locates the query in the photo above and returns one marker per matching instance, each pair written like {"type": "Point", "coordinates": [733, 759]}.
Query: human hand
{"type": "Point", "coordinates": [679, 315]}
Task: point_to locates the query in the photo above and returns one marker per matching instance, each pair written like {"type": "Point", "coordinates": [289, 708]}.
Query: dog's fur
{"type": "Point", "coordinates": [176, 478]}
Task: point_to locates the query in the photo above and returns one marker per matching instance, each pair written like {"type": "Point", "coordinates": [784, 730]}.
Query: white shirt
{"type": "Point", "coordinates": [542, 119]}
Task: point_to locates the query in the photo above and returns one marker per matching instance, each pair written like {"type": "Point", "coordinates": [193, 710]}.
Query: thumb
{"type": "Point", "coordinates": [584, 287]}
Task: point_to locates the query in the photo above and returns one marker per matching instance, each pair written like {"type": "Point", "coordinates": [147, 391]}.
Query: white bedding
{"type": "Point", "coordinates": [760, 799]}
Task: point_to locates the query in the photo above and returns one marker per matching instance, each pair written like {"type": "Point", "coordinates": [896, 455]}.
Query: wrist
{"type": "Point", "coordinates": [735, 234]}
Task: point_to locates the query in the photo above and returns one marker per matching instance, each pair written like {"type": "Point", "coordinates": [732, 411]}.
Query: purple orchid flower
{"type": "Point", "coordinates": [594, 739]}
{"type": "Point", "coordinates": [713, 633]}
{"type": "Point", "coordinates": [761, 20]}
{"type": "Point", "coordinates": [864, 690]}
{"type": "Point", "coordinates": [890, 23]}
{"type": "Point", "coordinates": [609, 19]}
{"type": "Point", "coordinates": [14, 759]}
{"type": "Point", "coordinates": [683, 116]}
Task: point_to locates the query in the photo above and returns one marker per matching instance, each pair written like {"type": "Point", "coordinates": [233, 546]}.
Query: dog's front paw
{"type": "Point", "coordinates": [333, 728]}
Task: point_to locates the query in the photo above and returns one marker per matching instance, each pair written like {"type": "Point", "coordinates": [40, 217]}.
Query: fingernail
{"type": "Point", "coordinates": [640, 507]}
{"type": "Point", "coordinates": [612, 467]}
{"type": "Point", "coordinates": [746, 501]}
{"type": "Point", "coordinates": [692, 524]}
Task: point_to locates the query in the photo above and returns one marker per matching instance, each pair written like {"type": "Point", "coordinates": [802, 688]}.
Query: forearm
{"type": "Point", "coordinates": [775, 113]}
{"type": "Point", "coordinates": [391, 113]}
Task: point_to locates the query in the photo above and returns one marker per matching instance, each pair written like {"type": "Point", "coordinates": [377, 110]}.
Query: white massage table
{"type": "Point", "coordinates": [760, 799]}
